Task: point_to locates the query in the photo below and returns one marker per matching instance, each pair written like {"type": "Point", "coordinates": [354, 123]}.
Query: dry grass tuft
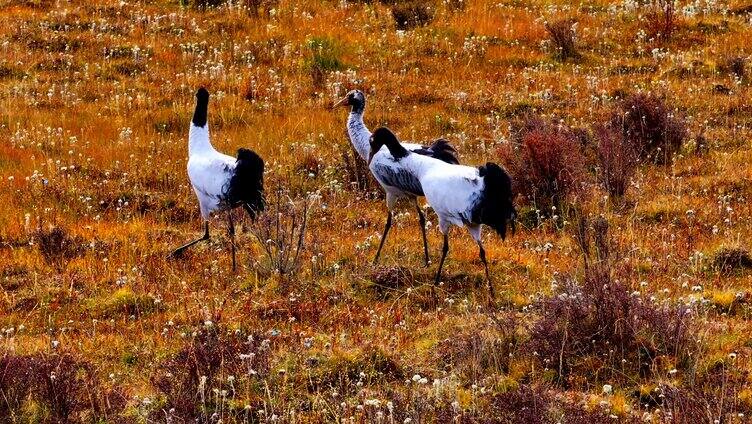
{"type": "Point", "coordinates": [730, 259]}
{"type": "Point", "coordinates": [342, 371]}
{"type": "Point", "coordinates": [735, 65]}
{"type": "Point", "coordinates": [281, 232]}
{"type": "Point", "coordinates": [563, 36]}
{"type": "Point", "coordinates": [58, 247]}
{"type": "Point", "coordinates": [310, 165]}
{"type": "Point", "coordinates": [412, 14]}
{"type": "Point", "coordinates": [255, 8]}
{"type": "Point", "coordinates": [392, 278]}
{"type": "Point", "coordinates": [323, 57]}
{"type": "Point", "coordinates": [212, 369]}
{"type": "Point", "coordinates": [716, 391]}
{"type": "Point", "coordinates": [481, 349]}
{"type": "Point", "coordinates": [356, 176]}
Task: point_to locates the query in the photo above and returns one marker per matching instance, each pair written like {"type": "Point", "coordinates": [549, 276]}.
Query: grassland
{"type": "Point", "coordinates": [98, 326]}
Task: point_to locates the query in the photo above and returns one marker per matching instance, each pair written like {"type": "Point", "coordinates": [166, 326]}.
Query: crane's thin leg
{"type": "Point", "coordinates": [231, 231]}
{"type": "Point", "coordinates": [179, 251]}
{"type": "Point", "coordinates": [422, 219]}
{"type": "Point", "coordinates": [444, 251]}
{"type": "Point", "coordinates": [391, 201]}
{"type": "Point", "coordinates": [383, 238]}
{"type": "Point", "coordinates": [488, 277]}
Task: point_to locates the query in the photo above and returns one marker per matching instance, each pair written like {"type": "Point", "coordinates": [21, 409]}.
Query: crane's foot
{"type": "Point", "coordinates": [176, 254]}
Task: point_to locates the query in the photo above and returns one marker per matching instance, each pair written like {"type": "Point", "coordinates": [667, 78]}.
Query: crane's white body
{"type": "Point", "coordinates": [208, 170]}
{"type": "Point", "coordinates": [453, 191]}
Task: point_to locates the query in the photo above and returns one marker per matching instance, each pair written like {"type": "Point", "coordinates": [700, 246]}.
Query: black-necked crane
{"type": "Point", "coordinates": [221, 182]}
{"type": "Point", "coordinates": [464, 196]}
{"type": "Point", "coordinates": [396, 185]}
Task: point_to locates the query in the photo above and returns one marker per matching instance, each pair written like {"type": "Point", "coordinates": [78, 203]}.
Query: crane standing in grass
{"type": "Point", "coordinates": [221, 182]}
{"type": "Point", "coordinates": [397, 185]}
{"type": "Point", "coordinates": [460, 195]}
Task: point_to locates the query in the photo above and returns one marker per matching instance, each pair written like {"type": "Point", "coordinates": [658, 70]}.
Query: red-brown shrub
{"type": "Point", "coordinates": [599, 325]}
{"type": "Point", "coordinates": [617, 160]}
{"type": "Point", "coordinates": [662, 19]}
{"type": "Point", "coordinates": [191, 379]}
{"type": "Point", "coordinates": [531, 404]}
{"type": "Point", "coordinates": [65, 385]}
{"type": "Point", "coordinates": [527, 404]}
{"type": "Point", "coordinates": [650, 127]}
{"type": "Point", "coordinates": [545, 160]}
{"type": "Point", "coordinates": [712, 395]}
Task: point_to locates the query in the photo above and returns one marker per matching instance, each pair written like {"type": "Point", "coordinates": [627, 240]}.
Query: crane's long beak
{"type": "Point", "coordinates": [370, 156]}
{"type": "Point", "coordinates": [344, 102]}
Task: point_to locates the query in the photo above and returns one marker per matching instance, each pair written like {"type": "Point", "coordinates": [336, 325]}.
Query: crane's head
{"type": "Point", "coordinates": [385, 137]}
{"type": "Point", "coordinates": [202, 95]}
{"type": "Point", "coordinates": [355, 99]}
{"type": "Point", "coordinates": [202, 102]}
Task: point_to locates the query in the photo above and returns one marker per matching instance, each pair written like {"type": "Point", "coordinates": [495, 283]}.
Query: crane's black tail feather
{"type": "Point", "coordinates": [496, 206]}
{"type": "Point", "coordinates": [442, 150]}
{"type": "Point", "coordinates": [247, 184]}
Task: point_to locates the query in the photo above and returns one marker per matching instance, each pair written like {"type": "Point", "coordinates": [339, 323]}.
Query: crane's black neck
{"type": "Point", "coordinates": [357, 106]}
{"type": "Point", "coordinates": [396, 149]}
{"type": "Point", "coordinates": [200, 114]}
{"type": "Point", "coordinates": [385, 137]}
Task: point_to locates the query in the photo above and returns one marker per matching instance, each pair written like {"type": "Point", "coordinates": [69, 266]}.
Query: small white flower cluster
{"type": "Point", "coordinates": [475, 45]}
{"type": "Point", "coordinates": [418, 379]}
{"type": "Point", "coordinates": [367, 243]}
{"type": "Point", "coordinates": [704, 7]}
{"type": "Point", "coordinates": [626, 6]}
{"type": "Point", "coordinates": [126, 133]}
{"type": "Point", "coordinates": [339, 82]}
{"type": "Point", "coordinates": [659, 54]}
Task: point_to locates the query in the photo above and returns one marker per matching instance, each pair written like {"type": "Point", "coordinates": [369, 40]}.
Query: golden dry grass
{"type": "Point", "coordinates": [96, 98]}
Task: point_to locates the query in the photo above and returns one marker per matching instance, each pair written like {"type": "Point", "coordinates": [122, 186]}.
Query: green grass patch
{"type": "Point", "coordinates": [124, 302]}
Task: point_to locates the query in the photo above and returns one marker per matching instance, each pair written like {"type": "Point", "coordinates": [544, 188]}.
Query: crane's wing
{"type": "Point", "coordinates": [454, 189]}
{"type": "Point", "coordinates": [389, 172]}
{"type": "Point", "coordinates": [210, 176]}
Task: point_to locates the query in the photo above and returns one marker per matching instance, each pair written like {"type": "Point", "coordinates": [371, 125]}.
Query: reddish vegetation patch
{"type": "Point", "coordinates": [545, 160]}
{"type": "Point", "coordinates": [653, 130]}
